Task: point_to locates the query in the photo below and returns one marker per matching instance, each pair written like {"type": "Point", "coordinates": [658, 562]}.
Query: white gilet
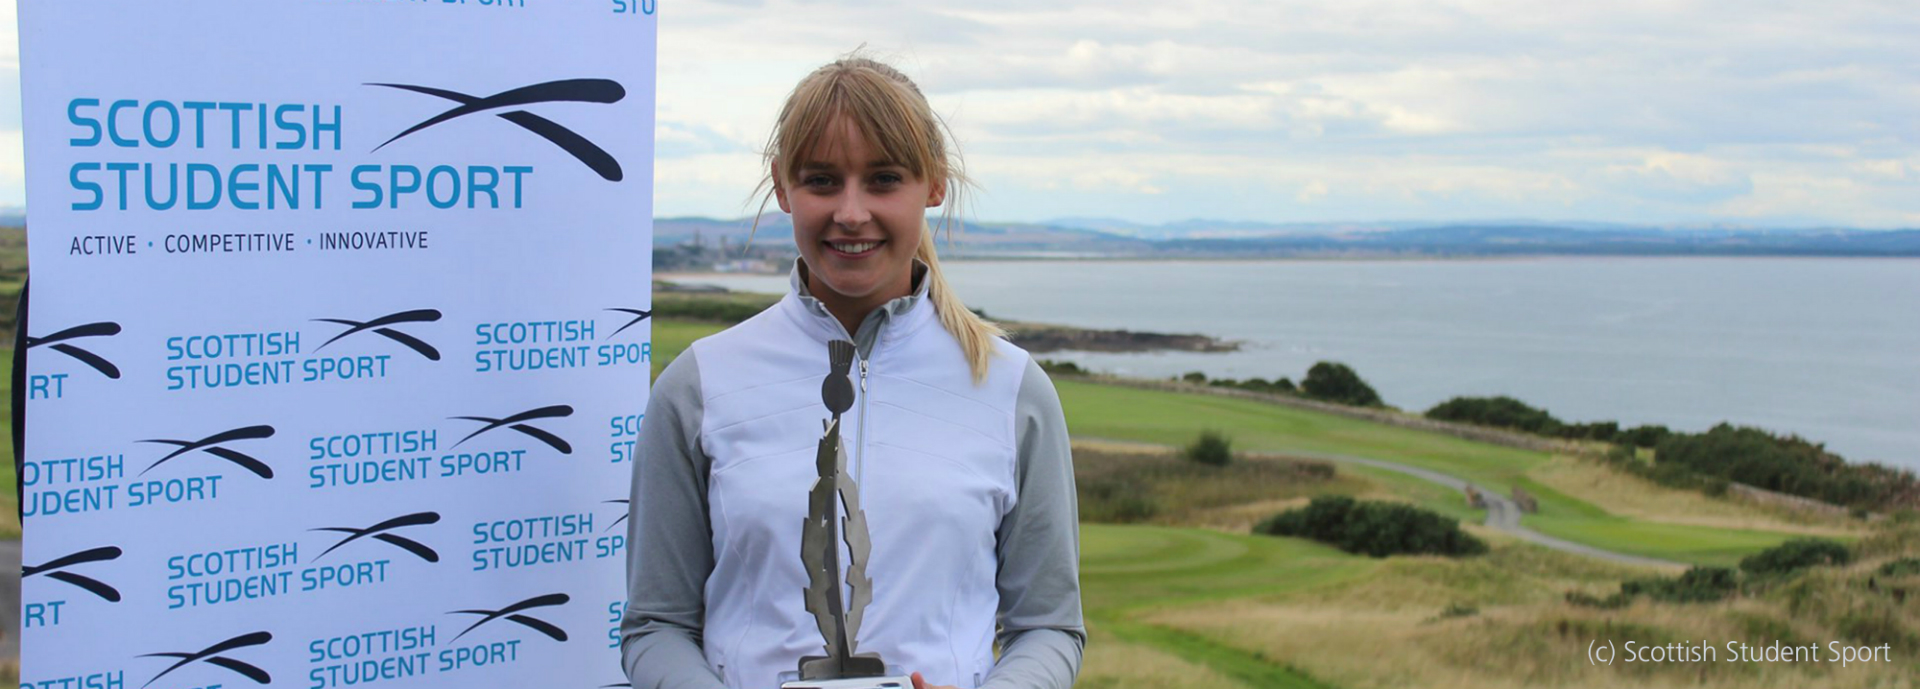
{"type": "Point", "coordinates": [934, 455]}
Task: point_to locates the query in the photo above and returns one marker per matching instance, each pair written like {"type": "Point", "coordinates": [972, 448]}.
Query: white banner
{"type": "Point", "coordinates": [338, 339]}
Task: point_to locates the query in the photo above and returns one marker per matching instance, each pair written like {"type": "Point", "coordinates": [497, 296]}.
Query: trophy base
{"type": "Point", "coordinates": [851, 683]}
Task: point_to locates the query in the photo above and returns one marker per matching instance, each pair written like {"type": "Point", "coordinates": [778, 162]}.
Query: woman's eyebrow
{"type": "Point", "coordinates": [875, 164]}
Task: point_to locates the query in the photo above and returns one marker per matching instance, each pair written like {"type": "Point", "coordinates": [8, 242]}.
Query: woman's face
{"type": "Point", "coordinates": [857, 219]}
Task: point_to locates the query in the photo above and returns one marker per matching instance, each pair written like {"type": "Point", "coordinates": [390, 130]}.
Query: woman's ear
{"type": "Point", "coordinates": [779, 189]}
{"type": "Point", "coordinates": [937, 193]}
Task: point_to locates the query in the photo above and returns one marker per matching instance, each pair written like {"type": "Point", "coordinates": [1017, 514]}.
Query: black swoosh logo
{"type": "Point", "coordinates": [516, 422]}
{"type": "Point", "coordinates": [212, 654]}
{"type": "Point", "coordinates": [99, 363]}
{"type": "Point", "coordinates": [209, 443]}
{"type": "Point", "coordinates": [512, 613]}
{"type": "Point", "coordinates": [380, 326]}
{"type": "Point", "coordinates": [565, 90]}
{"type": "Point", "coordinates": [91, 585]}
{"type": "Point", "coordinates": [379, 533]}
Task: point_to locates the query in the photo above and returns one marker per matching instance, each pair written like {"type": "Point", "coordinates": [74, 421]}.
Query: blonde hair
{"type": "Point", "coordinates": [890, 111]}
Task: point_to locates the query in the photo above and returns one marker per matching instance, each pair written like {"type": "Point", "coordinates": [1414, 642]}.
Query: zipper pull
{"type": "Point", "coordinates": [863, 375]}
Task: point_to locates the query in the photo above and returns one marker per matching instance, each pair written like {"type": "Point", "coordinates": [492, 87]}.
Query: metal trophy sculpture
{"type": "Point", "coordinates": [841, 667]}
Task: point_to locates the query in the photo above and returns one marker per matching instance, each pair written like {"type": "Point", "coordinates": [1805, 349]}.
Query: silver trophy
{"type": "Point", "coordinates": [841, 667]}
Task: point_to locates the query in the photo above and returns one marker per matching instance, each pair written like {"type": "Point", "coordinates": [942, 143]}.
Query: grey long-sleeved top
{"type": "Point", "coordinates": [1041, 634]}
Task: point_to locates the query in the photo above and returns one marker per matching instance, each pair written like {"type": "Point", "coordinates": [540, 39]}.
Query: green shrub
{"type": "Point", "coordinates": [1789, 465]}
{"type": "Point", "coordinates": [1643, 436]}
{"type": "Point", "coordinates": [1507, 412]}
{"type": "Point", "coordinates": [1279, 387]}
{"type": "Point", "coordinates": [1376, 529]}
{"type": "Point", "coordinates": [1499, 412]}
{"type": "Point", "coordinates": [1795, 555]}
{"type": "Point", "coordinates": [1194, 377]}
{"type": "Point", "coordinates": [1603, 431]}
{"type": "Point", "coordinates": [1061, 368]}
{"type": "Point", "coordinates": [1671, 475]}
{"type": "Point", "coordinates": [1697, 585]}
{"type": "Point", "coordinates": [1116, 500]}
{"type": "Point", "coordinates": [1906, 566]}
{"type": "Point", "coordinates": [1335, 382]}
{"type": "Point", "coordinates": [1212, 448]}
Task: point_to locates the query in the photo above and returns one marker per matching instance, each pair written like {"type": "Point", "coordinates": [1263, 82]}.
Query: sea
{"type": "Point", "coordinates": [1825, 348]}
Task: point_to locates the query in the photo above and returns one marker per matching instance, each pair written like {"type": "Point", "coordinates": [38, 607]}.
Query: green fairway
{"type": "Point", "coordinates": [1173, 418]}
{"type": "Point", "coordinates": [1130, 570]}
{"type": "Point", "coordinates": [671, 337]}
{"type": "Point", "coordinates": [1127, 569]}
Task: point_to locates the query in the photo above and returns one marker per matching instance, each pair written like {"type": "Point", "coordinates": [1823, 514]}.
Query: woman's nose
{"type": "Point", "coordinates": [852, 211]}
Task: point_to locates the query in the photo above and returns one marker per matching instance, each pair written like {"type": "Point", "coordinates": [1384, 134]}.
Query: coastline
{"type": "Point", "coordinates": [683, 299]}
{"type": "Point", "coordinates": [958, 256]}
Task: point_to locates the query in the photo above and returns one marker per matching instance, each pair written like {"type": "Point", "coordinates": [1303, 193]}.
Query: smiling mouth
{"type": "Point", "coordinates": [854, 249]}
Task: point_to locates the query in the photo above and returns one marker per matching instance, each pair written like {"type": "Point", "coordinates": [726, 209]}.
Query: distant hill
{"type": "Point", "coordinates": [1109, 238]}
{"type": "Point", "coordinates": [1473, 240]}
{"type": "Point", "coordinates": [1093, 237]}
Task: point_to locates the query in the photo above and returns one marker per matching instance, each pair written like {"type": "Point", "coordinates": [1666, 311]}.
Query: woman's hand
{"type": "Point", "coordinates": [921, 683]}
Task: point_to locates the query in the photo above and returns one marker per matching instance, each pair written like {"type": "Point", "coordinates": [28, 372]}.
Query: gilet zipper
{"type": "Point", "coordinates": [860, 469]}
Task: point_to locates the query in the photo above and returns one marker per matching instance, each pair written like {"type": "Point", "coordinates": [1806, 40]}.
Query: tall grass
{"type": "Point", "coordinates": [1164, 488]}
{"type": "Point", "coordinates": [1525, 635]}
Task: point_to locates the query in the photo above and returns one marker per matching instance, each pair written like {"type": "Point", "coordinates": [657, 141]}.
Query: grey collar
{"type": "Point", "coordinates": [870, 325]}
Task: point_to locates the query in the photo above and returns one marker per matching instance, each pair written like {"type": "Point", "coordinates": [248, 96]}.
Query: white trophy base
{"type": "Point", "coordinates": [851, 683]}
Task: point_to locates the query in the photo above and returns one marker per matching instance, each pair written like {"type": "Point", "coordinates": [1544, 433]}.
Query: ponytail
{"type": "Point", "coordinates": [974, 333]}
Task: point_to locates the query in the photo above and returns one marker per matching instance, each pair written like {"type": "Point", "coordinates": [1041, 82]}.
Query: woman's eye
{"type": "Point", "coordinates": [817, 181]}
{"type": "Point", "coordinates": [888, 179]}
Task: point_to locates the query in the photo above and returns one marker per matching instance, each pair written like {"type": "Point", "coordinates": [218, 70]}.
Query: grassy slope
{"type": "Point", "coordinates": [1512, 628]}
{"type": "Point", "coordinates": [1130, 571]}
{"type": "Point", "coordinates": [1173, 418]}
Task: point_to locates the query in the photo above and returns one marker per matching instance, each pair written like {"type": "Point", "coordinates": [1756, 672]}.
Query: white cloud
{"type": "Point", "coordinates": [1890, 169]}
{"type": "Point", "coordinates": [13, 173]}
{"type": "Point", "coordinates": [1313, 190]}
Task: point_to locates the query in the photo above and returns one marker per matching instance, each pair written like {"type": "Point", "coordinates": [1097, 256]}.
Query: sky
{"type": "Point", "coordinates": [1660, 112]}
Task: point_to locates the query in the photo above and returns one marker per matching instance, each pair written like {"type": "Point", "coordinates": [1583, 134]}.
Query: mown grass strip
{"type": "Point", "coordinates": [1133, 569]}
{"type": "Point", "coordinates": [1130, 570]}
{"type": "Point", "coordinates": [1252, 669]}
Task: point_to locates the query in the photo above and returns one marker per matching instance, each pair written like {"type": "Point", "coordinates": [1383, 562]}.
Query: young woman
{"type": "Point", "coordinates": [956, 437]}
